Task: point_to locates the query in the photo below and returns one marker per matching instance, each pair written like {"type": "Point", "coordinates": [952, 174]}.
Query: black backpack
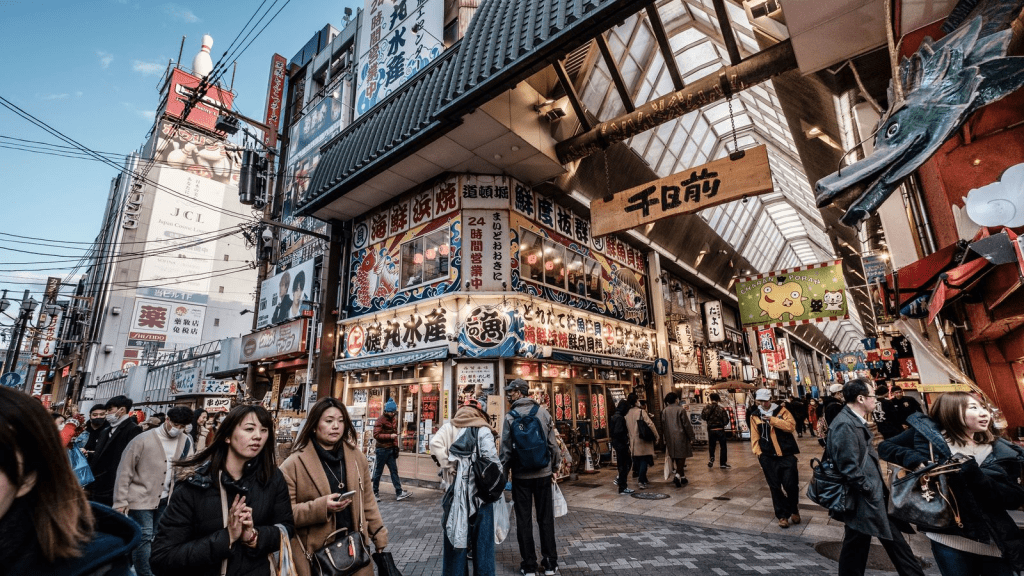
{"type": "Point", "coordinates": [489, 478]}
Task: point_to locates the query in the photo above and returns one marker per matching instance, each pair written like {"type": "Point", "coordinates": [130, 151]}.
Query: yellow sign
{"type": "Point", "coordinates": [937, 388]}
{"type": "Point", "coordinates": [687, 192]}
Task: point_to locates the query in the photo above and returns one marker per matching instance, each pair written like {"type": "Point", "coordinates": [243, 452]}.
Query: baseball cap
{"type": "Point", "coordinates": [519, 385]}
{"type": "Point", "coordinates": [763, 395]}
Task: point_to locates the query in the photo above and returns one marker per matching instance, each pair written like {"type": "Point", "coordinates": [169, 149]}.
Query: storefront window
{"type": "Point", "coordinates": [577, 275]}
{"type": "Point", "coordinates": [531, 256]}
{"type": "Point", "coordinates": [425, 259]}
{"type": "Point", "coordinates": [593, 269]}
{"type": "Point", "coordinates": [430, 414]}
{"type": "Point", "coordinates": [554, 264]}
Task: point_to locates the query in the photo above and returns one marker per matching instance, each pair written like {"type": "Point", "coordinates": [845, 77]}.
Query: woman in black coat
{"type": "Point", "coordinates": [236, 475]}
{"type": "Point", "coordinates": [986, 487]}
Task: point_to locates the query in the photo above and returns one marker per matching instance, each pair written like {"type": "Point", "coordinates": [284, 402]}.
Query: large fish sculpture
{"type": "Point", "coordinates": [943, 83]}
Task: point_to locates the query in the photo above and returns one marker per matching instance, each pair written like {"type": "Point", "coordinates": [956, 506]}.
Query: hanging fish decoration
{"type": "Point", "coordinates": [943, 83]}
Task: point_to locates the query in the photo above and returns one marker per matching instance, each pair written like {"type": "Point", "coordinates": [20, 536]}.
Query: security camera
{"type": "Point", "coordinates": [267, 235]}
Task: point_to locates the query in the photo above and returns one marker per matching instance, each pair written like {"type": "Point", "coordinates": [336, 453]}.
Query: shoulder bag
{"type": "Point", "coordinates": [922, 497]}
{"type": "Point", "coordinates": [344, 556]}
{"type": "Point", "coordinates": [643, 430]}
{"type": "Point", "coordinates": [489, 479]}
{"type": "Point", "coordinates": [827, 487]}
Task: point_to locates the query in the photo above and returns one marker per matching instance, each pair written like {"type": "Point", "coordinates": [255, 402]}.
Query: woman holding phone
{"type": "Point", "coordinates": [329, 485]}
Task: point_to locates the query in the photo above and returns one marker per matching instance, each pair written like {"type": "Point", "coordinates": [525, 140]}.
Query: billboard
{"type": "Point", "coordinates": [194, 152]}
{"type": "Point", "coordinates": [275, 99]}
{"type": "Point", "coordinates": [277, 342]}
{"type": "Point", "coordinates": [172, 325]}
{"type": "Point", "coordinates": [204, 114]}
{"type": "Point", "coordinates": [389, 51]}
{"type": "Point", "coordinates": [48, 335]}
{"type": "Point", "coordinates": [281, 296]}
{"type": "Point", "coordinates": [801, 295]}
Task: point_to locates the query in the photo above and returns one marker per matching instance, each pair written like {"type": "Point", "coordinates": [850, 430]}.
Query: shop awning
{"type": "Point", "coordinates": [606, 361]}
{"type": "Point", "coordinates": [695, 379]}
{"type": "Point", "coordinates": [396, 359]}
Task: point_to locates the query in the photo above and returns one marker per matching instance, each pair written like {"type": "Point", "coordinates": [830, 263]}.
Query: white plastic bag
{"type": "Point", "coordinates": [560, 507]}
{"type": "Point", "coordinates": [668, 468]}
{"type": "Point", "coordinates": [501, 520]}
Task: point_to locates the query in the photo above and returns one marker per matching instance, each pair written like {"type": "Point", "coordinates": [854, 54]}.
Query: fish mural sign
{"type": "Point", "coordinates": [938, 88]}
{"type": "Point", "coordinates": [801, 295]}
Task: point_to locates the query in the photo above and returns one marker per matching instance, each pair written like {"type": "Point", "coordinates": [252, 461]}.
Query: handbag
{"type": "Point", "coordinates": [346, 555]}
{"type": "Point", "coordinates": [281, 562]}
{"type": "Point", "coordinates": [827, 487]}
{"type": "Point", "coordinates": [922, 497]}
{"type": "Point", "coordinates": [385, 564]}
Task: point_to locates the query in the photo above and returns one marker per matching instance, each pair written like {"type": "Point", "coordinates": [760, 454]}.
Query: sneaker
{"type": "Point", "coordinates": [550, 571]}
{"type": "Point", "coordinates": [783, 523]}
{"type": "Point", "coordinates": [376, 497]}
{"type": "Point", "coordinates": [683, 481]}
{"type": "Point", "coordinates": [405, 494]}
{"type": "Point", "coordinates": [525, 573]}
{"type": "Point", "coordinates": [711, 463]}
{"type": "Point", "coordinates": [725, 466]}
{"type": "Point", "coordinates": [794, 519]}
{"type": "Point", "coordinates": [677, 482]}
{"type": "Point", "coordinates": [615, 482]}
{"type": "Point", "coordinates": [643, 486]}
{"type": "Point", "coordinates": [627, 491]}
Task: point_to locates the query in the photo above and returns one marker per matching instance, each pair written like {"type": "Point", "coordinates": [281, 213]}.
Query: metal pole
{"type": "Point", "coordinates": [762, 66]}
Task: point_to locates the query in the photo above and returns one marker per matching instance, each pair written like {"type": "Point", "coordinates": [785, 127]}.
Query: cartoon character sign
{"type": "Point", "coordinates": [625, 295]}
{"type": "Point", "coordinates": [782, 298]}
{"type": "Point", "coordinates": [833, 300]}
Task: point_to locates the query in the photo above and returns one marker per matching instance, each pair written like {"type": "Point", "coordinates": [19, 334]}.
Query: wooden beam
{"type": "Point", "coordinates": [727, 34]}
{"type": "Point", "coordinates": [666, 48]}
{"type": "Point", "coordinates": [613, 69]}
{"type": "Point", "coordinates": [574, 97]}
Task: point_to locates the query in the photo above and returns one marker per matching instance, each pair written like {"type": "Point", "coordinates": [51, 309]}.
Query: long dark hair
{"type": "Point", "coordinates": [217, 452]}
{"type": "Point", "coordinates": [308, 433]}
{"type": "Point", "coordinates": [61, 515]}
{"type": "Point", "coordinates": [195, 424]}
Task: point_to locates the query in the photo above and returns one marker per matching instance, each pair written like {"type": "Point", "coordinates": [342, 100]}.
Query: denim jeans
{"type": "Point", "coordinates": [481, 540]}
{"type": "Point", "coordinates": [148, 521]}
{"type": "Point", "coordinates": [641, 464]}
{"type": "Point", "coordinates": [953, 562]}
{"type": "Point", "coordinates": [387, 456]}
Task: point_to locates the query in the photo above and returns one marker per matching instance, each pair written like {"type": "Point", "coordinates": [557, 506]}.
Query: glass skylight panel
{"type": "Point", "coordinates": [697, 56]}
{"type": "Point", "coordinates": [685, 38]}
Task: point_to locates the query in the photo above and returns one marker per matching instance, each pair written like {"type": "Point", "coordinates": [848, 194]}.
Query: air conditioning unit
{"type": "Point", "coordinates": [767, 16]}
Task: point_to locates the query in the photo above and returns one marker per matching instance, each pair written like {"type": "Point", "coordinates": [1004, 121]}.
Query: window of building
{"type": "Point", "coordinates": [220, 289]}
{"type": "Point", "coordinates": [531, 256]}
{"type": "Point", "coordinates": [216, 321]}
{"type": "Point", "coordinates": [546, 261]}
{"type": "Point", "coordinates": [426, 259]}
{"type": "Point", "coordinates": [225, 257]}
{"type": "Point", "coordinates": [554, 264]}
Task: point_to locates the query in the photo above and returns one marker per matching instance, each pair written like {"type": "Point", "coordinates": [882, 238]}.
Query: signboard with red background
{"type": "Point", "coordinates": [204, 114]}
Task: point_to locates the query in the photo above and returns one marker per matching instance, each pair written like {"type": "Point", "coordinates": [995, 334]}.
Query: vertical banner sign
{"type": "Point", "coordinates": [713, 321]}
{"type": "Point", "coordinates": [52, 287]}
{"type": "Point", "coordinates": [487, 266]}
{"type": "Point", "coordinates": [275, 99]}
{"type": "Point", "coordinates": [48, 337]}
{"type": "Point", "coordinates": [766, 340]}
{"type": "Point", "coordinates": [801, 295]}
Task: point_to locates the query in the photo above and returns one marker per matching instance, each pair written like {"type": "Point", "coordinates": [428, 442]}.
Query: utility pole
{"type": "Point", "coordinates": [28, 305]}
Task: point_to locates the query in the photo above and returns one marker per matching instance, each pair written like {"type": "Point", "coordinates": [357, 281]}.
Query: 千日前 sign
{"type": "Point", "coordinates": [814, 293]}
{"type": "Point", "coordinates": [687, 192]}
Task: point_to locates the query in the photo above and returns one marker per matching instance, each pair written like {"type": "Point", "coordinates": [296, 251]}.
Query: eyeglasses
{"type": "Point", "coordinates": [872, 396]}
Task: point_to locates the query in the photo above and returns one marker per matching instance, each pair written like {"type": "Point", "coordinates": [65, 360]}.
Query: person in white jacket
{"type": "Point", "coordinates": [469, 521]}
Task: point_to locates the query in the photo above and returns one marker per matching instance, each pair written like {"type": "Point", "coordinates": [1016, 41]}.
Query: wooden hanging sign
{"type": "Point", "coordinates": [687, 192]}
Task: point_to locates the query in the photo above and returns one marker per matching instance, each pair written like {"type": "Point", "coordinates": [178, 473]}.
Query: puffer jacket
{"type": "Point", "coordinates": [984, 491]}
{"type": "Point", "coordinates": [773, 436]}
{"type": "Point", "coordinates": [192, 539]}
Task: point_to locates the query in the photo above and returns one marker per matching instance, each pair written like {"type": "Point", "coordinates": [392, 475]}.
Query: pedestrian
{"type": "Point", "coordinates": [959, 426]}
{"type": "Point", "coordinates": [67, 428]}
{"type": "Point", "coordinates": [531, 454]}
{"type": "Point", "coordinates": [217, 419]}
{"type": "Point", "coordinates": [831, 405]}
{"type": "Point", "coordinates": [46, 524]}
{"type": "Point", "coordinates": [619, 433]}
{"type": "Point", "coordinates": [773, 443]}
{"type": "Point", "coordinates": [905, 406]}
{"type": "Point", "coordinates": [200, 427]}
{"type": "Point", "coordinates": [798, 410]}
{"type": "Point", "coordinates": [221, 517]}
{"type": "Point", "coordinates": [812, 416]}
{"type": "Point", "coordinates": [675, 423]}
{"type": "Point", "coordinates": [885, 414]}
{"type": "Point", "coordinates": [145, 478]}
{"type": "Point", "coordinates": [93, 429]}
{"type": "Point", "coordinates": [470, 520]}
{"type": "Point", "coordinates": [716, 419]}
{"type": "Point", "coordinates": [849, 447]}
{"type": "Point", "coordinates": [385, 432]}
{"type": "Point", "coordinates": [328, 477]}
{"type": "Point", "coordinates": [110, 447]}
{"type": "Point", "coordinates": [641, 449]}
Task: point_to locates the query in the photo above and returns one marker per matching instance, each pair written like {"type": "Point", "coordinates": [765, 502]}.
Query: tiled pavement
{"type": "Point", "coordinates": [721, 523]}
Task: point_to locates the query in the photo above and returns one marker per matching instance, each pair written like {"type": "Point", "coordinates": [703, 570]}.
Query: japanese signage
{"type": "Point", "coordinates": [875, 268]}
{"type": "Point", "coordinates": [766, 340]}
{"type": "Point", "coordinates": [490, 331]}
{"type": "Point", "coordinates": [687, 192]}
{"type": "Point", "coordinates": [281, 296]}
{"type": "Point", "coordinates": [684, 336]}
{"type": "Point", "coordinates": [397, 38]}
{"type": "Point", "coordinates": [570, 330]}
{"type": "Point", "coordinates": [172, 324]}
{"type": "Point", "coordinates": [814, 293]}
{"type": "Point", "coordinates": [275, 98]}
{"type": "Point", "coordinates": [481, 191]}
{"type": "Point", "coordinates": [210, 386]}
{"type": "Point", "coordinates": [171, 294]}
{"type": "Point", "coordinates": [475, 374]}
{"type": "Point", "coordinates": [486, 267]}
{"type": "Point", "coordinates": [48, 335]}
{"type": "Point", "coordinates": [52, 288]}
{"type": "Point", "coordinates": [185, 381]}
{"type": "Point", "coordinates": [405, 330]}
{"type": "Point", "coordinates": [217, 404]}
{"type": "Point", "coordinates": [713, 321]}
{"type": "Point", "coordinates": [181, 87]}
{"type": "Point", "coordinates": [279, 342]}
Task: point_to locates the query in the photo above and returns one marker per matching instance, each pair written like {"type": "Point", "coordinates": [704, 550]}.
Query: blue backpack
{"type": "Point", "coordinates": [529, 440]}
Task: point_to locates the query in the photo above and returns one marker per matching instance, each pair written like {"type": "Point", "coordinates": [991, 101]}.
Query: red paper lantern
{"type": "Point", "coordinates": [443, 249]}
{"type": "Point", "coordinates": [531, 259]}
{"type": "Point", "coordinates": [427, 388]}
{"type": "Point", "coordinates": [549, 266]}
{"type": "Point", "coordinates": [414, 389]}
{"type": "Point", "coordinates": [431, 254]}
{"type": "Point", "coordinates": [418, 258]}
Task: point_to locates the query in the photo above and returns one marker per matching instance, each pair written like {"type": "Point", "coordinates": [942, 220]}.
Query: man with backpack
{"type": "Point", "coordinates": [529, 448]}
{"type": "Point", "coordinates": [716, 418]}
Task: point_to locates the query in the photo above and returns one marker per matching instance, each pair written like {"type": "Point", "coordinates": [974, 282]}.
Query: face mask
{"type": "Point", "coordinates": [174, 432]}
{"type": "Point", "coordinates": [112, 418]}
{"type": "Point", "coordinates": [97, 422]}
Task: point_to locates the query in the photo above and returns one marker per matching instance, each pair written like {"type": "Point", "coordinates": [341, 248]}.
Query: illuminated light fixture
{"type": "Point", "coordinates": [417, 258]}
{"type": "Point", "coordinates": [431, 253]}
{"type": "Point", "coordinates": [443, 249]}
{"type": "Point", "coordinates": [549, 266]}
{"type": "Point", "coordinates": [700, 257]}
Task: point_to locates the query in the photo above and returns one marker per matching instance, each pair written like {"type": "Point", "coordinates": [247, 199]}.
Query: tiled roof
{"type": "Point", "coordinates": [506, 42]}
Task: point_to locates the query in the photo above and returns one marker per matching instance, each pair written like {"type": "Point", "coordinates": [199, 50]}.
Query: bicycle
{"type": "Point", "coordinates": [577, 442]}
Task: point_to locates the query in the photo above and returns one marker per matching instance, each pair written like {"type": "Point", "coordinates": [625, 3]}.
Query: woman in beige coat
{"type": "Point", "coordinates": [642, 450]}
{"type": "Point", "coordinates": [325, 464]}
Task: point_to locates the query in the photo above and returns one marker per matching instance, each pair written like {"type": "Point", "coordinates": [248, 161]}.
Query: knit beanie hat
{"type": "Point", "coordinates": [390, 406]}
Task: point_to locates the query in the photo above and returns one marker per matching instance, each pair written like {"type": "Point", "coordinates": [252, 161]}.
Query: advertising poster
{"type": "Point", "coordinates": [814, 293]}
{"type": "Point", "coordinates": [172, 325]}
{"type": "Point", "coordinates": [282, 295]}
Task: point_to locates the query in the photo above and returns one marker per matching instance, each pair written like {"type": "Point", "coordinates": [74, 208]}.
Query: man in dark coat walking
{"type": "Point", "coordinates": [110, 447]}
{"type": "Point", "coordinates": [849, 446]}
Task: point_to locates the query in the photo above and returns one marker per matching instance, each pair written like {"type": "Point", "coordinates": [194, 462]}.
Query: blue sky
{"type": "Point", "coordinates": [90, 69]}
